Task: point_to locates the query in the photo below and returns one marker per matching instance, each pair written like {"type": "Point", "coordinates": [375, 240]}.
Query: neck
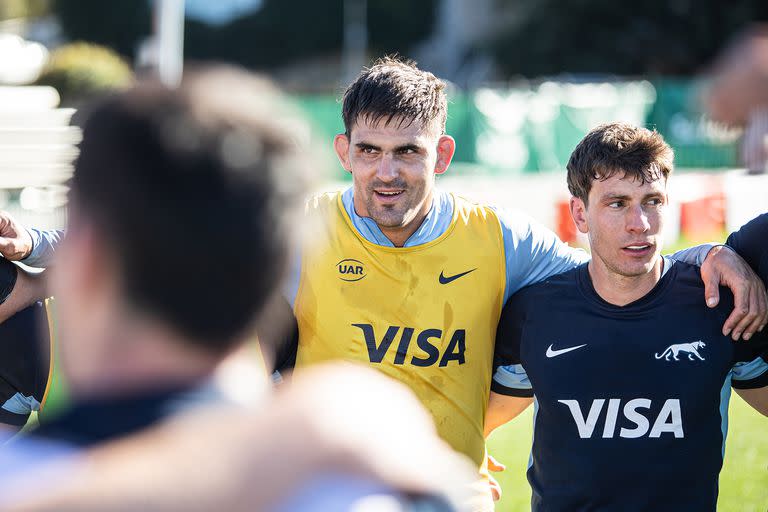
{"type": "Point", "coordinates": [618, 289]}
{"type": "Point", "coordinates": [141, 358]}
{"type": "Point", "coordinates": [398, 236]}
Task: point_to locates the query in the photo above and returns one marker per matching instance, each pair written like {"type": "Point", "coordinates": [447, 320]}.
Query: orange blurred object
{"type": "Point", "coordinates": [703, 218]}
{"type": "Point", "coordinates": [566, 228]}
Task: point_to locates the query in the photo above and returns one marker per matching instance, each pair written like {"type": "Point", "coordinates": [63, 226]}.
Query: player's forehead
{"type": "Point", "coordinates": [396, 130]}
{"type": "Point", "coordinates": [621, 184]}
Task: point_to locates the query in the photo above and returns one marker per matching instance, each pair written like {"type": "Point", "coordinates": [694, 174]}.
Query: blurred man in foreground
{"type": "Point", "coordinates": [140, 340]}
{"type": "Point", "coordinates": [630, 373]}
{"type": "Point", "coordinates": [302, 451]}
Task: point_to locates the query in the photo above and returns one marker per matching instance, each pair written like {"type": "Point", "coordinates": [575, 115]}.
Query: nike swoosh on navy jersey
{"type": "Point", "coordinates": [447, 279]}
{"type": "Point", "coordinates": [555, 353]}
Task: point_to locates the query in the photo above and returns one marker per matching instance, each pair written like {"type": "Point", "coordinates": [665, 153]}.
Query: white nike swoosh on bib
{"type": "Point", "coordinates": [555, 353]}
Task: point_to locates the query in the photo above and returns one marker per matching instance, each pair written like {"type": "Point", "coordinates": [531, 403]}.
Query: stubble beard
{"type": "Point", "coordinates": [395, 215]}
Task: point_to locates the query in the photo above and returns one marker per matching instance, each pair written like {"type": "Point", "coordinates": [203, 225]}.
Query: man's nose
{"type": "Point", "coordinates": [637, 220]}
{"type": "Point", "coordinates": [387, 169]}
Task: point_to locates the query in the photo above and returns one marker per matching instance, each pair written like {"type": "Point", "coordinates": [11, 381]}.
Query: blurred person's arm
{"type": "Point", "coordinates": [324, 423]}
{"type": "Point", "coordinates": [739, 79]}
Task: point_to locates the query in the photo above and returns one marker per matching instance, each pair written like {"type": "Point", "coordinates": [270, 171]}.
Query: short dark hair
{"type": "Point", "coordinates": [638, 153]}
{"type": "Point", "coordinates": [395, 89]}
{"type": "Point", "coordinates": [190, 189]}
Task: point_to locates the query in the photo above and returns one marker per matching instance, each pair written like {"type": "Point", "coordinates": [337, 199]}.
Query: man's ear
{"type": "Point", "coordinates": [341, 146]}
{"type": "Point", "coordinates": [579, 214]}
{"type": "Point", "coordinates": [446, 147]}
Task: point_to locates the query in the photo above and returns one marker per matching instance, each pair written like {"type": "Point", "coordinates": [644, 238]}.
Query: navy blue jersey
{"type": "Point", "coordinates": [24, 364]}
{"type": "Point", "coordinates": [630, 402]}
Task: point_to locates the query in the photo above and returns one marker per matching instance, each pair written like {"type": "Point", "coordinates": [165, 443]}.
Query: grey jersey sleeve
{"type": "Point", "coordinates": [44, 244]}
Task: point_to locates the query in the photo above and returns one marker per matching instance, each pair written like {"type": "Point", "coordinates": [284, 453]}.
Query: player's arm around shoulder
{"type": "Point", "coordinates": [724, 267]}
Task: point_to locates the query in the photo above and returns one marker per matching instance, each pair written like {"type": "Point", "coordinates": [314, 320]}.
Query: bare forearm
{"type": "Point", "coordinates": [503, 408]}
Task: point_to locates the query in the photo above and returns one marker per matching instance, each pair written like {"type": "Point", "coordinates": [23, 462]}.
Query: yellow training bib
{"type": "Point", "coordinates": [424, 315]}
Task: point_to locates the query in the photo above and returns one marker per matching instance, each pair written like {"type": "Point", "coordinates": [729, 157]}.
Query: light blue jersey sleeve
{"type": "Point", "coordinates": [44, 243]}
{"type": "Point", "coordinates": [752, 374]}
{"type": "Point", "coordinates": [290, 286]}
{"type": "Point", "coordinates": [533, 252]}
{"type": "Point", "coordinates": [512, 380]}
{"type": "Point", "coordinates": [694, 255]}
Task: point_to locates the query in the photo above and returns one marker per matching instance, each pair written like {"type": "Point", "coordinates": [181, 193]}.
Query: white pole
{"type": "Point", "coordinates": [355, 37]}
{"type": "Point", "coordinates": [170, 40]}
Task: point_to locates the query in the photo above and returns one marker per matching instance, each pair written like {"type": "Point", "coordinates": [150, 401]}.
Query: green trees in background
{"type": "Point", "coordinates": [541, 37]}
{"type": "Point", "coordinates": [281, 31]}
{"type": "Point", "coordinates": [79, 71]}
{"type": "Point", "coordinates": [118, 24]}
{"type": "Point", "coordinates": [669, 37]}
{"type": "Point", "coordinates": [10, 9]}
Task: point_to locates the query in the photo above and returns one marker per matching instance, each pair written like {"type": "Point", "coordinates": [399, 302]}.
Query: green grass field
{"type": "Point", "coordinates": [743, 481]}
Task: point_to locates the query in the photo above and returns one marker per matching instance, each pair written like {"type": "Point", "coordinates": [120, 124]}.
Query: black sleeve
{"type": "Point", "coordinates": [24, 364]}
{"type": "Point", "coordinates": [751, 243]}
{"type": "Point", "coordinates": [279, 335]}
{"type": "Point", "coordinates": [507, 351]}
{"type": "Point", "coordinates": [8, 274]}
{"type": "Point", "coordinates": [285, 358]}
{"type": "Point", "coordinates": [750, 370]}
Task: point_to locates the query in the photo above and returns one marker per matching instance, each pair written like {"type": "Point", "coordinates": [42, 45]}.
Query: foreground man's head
{"type": "Point", "coordinates": [169, 184]}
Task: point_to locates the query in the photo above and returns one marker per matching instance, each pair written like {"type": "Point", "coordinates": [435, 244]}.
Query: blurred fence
{"type": "Point", "coordinates": [37, 147]}
{"type": "Point", "coordinates": [534, 129]}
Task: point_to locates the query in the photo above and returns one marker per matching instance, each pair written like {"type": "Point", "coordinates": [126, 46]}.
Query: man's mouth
{"type": "Point", "coordinates": [638, 249]}
{"type": "Point", "coordinates": [388, 195]}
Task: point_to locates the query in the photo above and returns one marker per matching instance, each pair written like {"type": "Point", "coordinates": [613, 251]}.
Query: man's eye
{"type": "Point", "coordinates": [367, 151]}
{"type": "Point", "coordinates": [616, 204]}
{"type": "Point", "coordinates": [655, 202]}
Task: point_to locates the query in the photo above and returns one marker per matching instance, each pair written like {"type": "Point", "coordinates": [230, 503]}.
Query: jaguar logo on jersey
{"type": "Point", "coordinates": [669, 419]}
{"type": "Point", "coordinates": [690, 349]}
{"type": "Point", "coordinates": [453, 353]}
{"type": "Point", "coordinates": [351, 270]}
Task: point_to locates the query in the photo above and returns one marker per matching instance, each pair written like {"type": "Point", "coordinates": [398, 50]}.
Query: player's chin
{"type": "Point", "coordinates": [388, 217]}
{"type": "Point", "coordinates": [636, 268]}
